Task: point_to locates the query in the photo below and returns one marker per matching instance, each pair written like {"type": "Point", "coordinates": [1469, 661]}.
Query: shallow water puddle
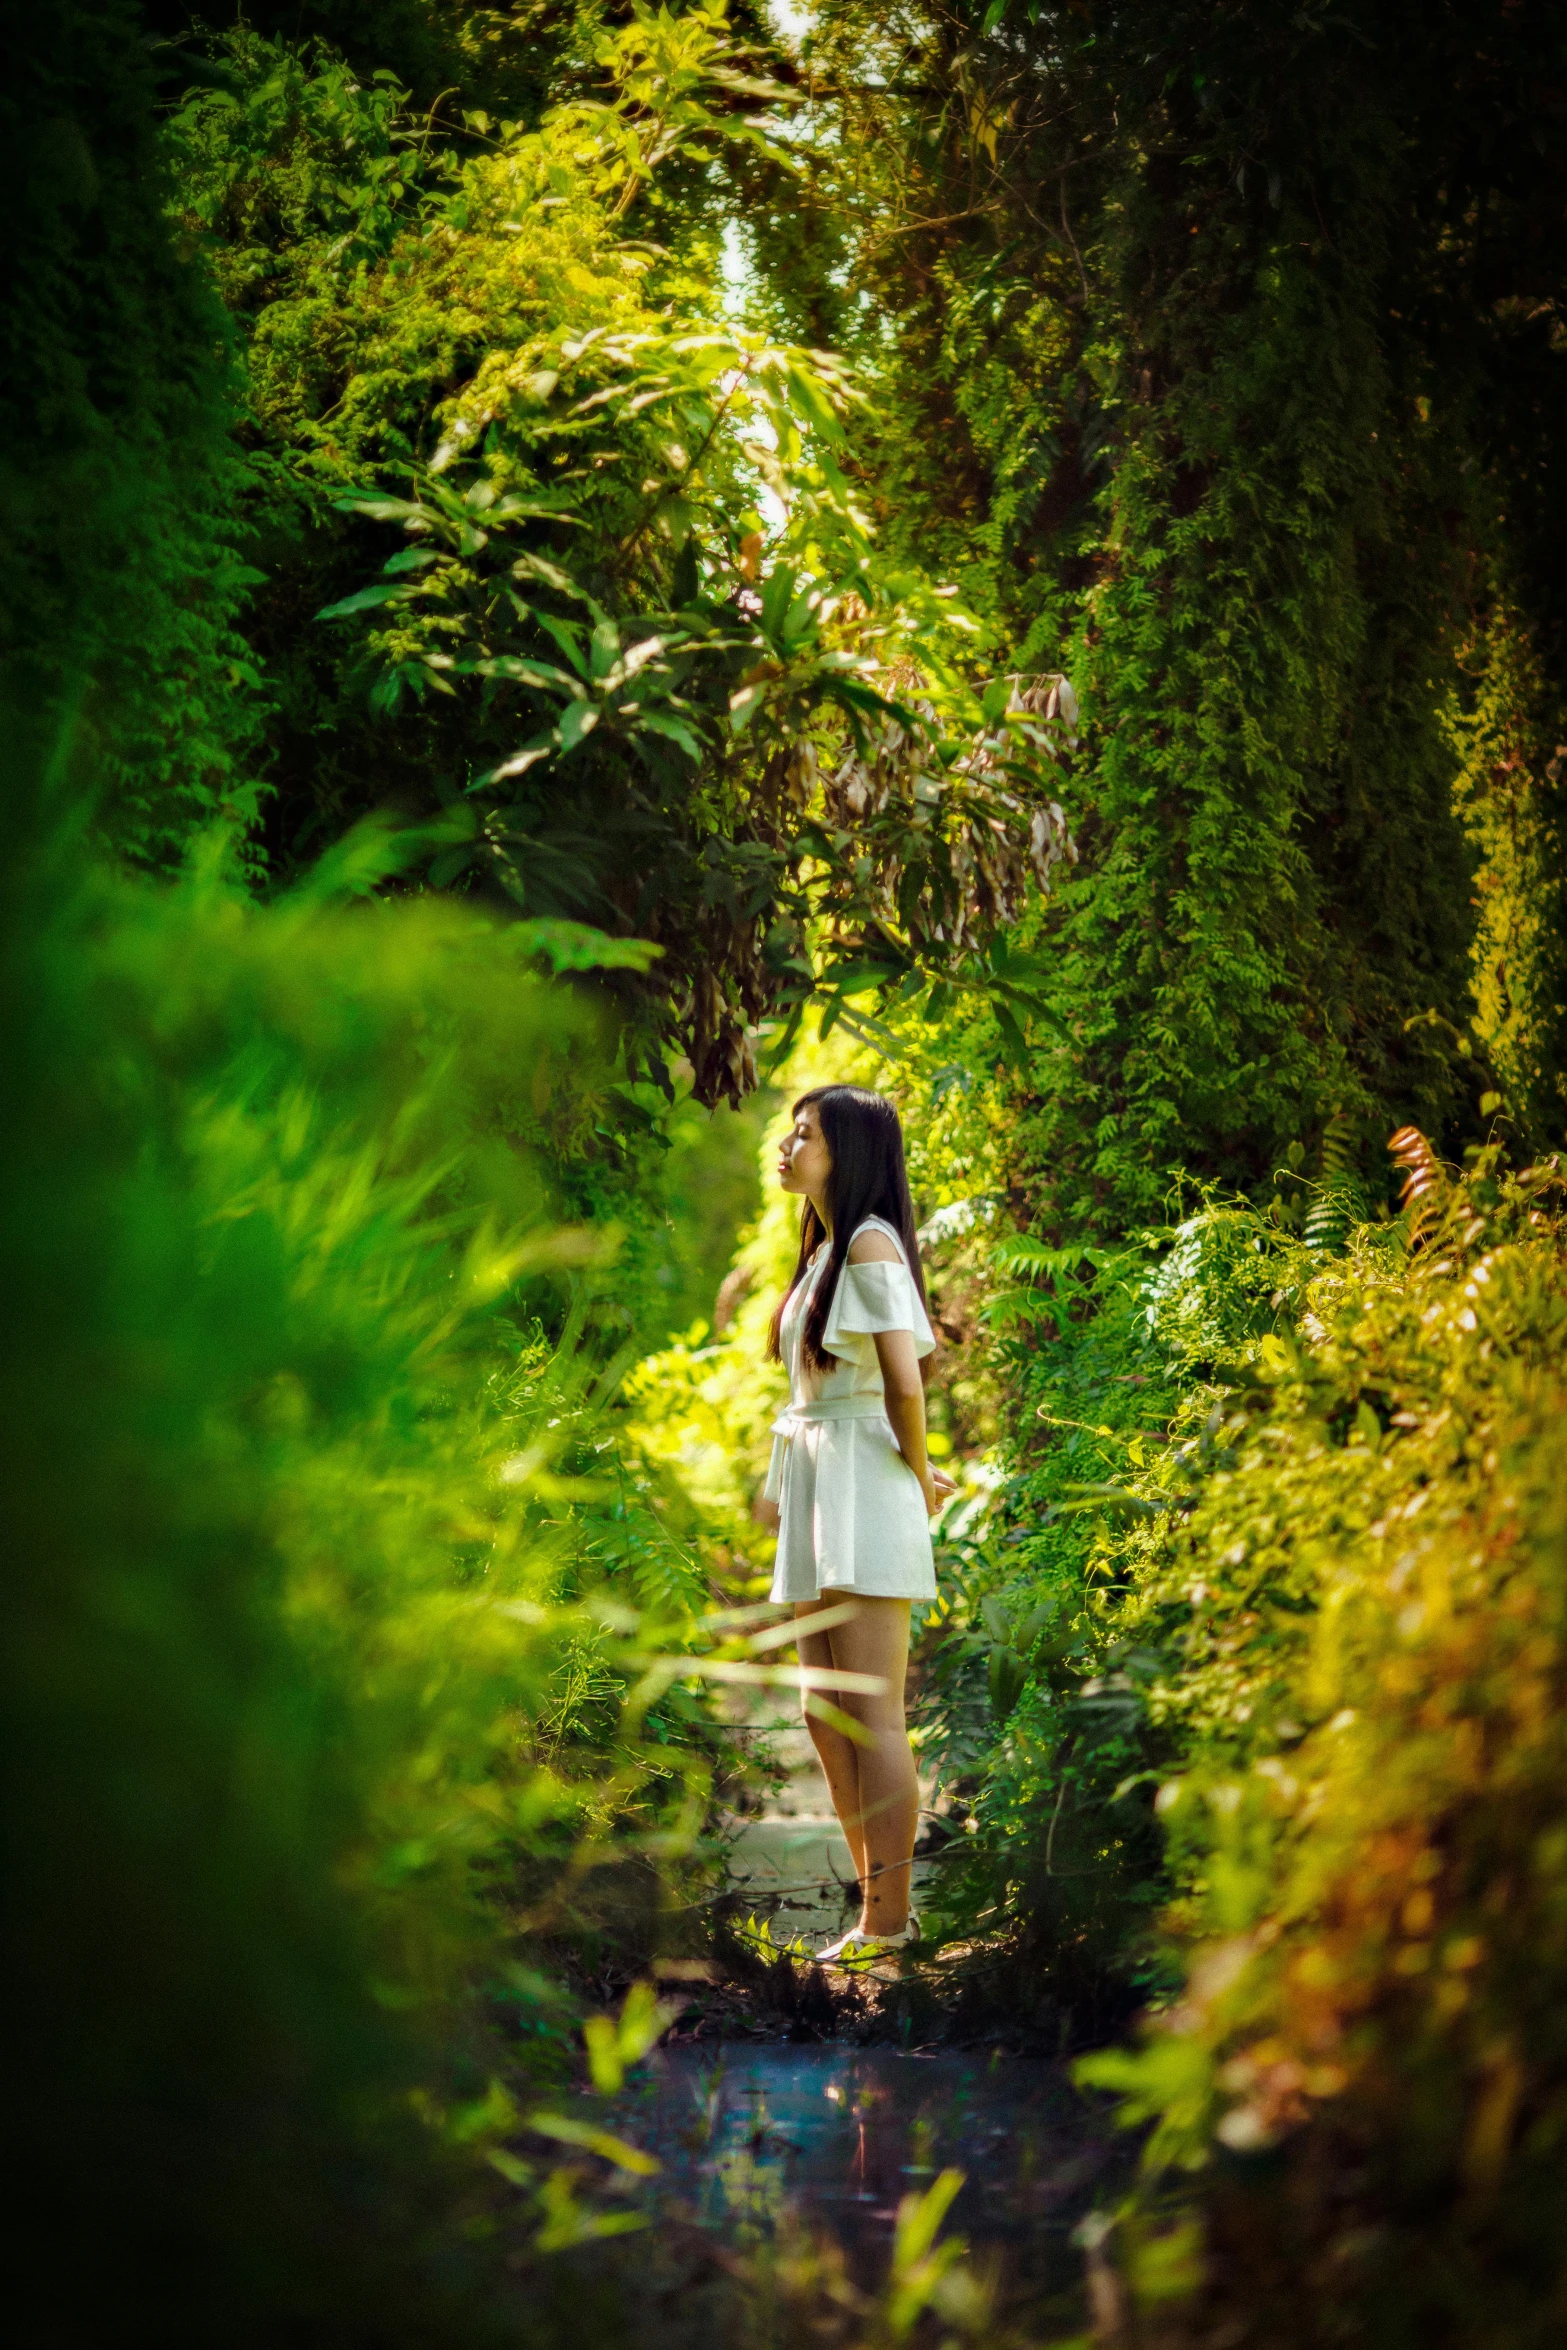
{"type": "Point", "coordinates": [837, 2136]}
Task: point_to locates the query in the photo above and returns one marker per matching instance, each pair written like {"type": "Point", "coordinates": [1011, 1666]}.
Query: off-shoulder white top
{"type": "Point", "coordinates": [852, 1516]}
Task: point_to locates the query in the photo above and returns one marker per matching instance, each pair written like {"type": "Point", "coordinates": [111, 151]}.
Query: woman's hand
{"type": "Point", "coordinates": [938, 1489]}
{"type": "Point", "coordinates": [765, 1513]}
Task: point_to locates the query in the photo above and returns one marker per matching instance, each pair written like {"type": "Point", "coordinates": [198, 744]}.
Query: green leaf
{"type": "Point", "coordinates": [851, 979]}
{"type": "Point", "coordinates": [605, 649]}
{"type": "Point", "coordinates": [518, 763]}
{"type": "Point", "coordinates": [799, 622]}
{"type": "Point", "coordinates": [744, 705]}
{"type": "Point", "coordinates": [674, 730]}
{"type": "Point", "coordinates": [863, 697]}
{"type": "Point", "coordinates": [780, 1047]}
{"type": "Point", "coordinates": [576, 946]}
{"type": "Point", "coordinates": [515, 2173]}
{"type": "Point", "coordinates": [577, 720]}
{"type": "Point", "coordinates": [1008, 1677]}
{"type": "Point", "coordinates": [810, 395]}
{"type": "Point", "coordinates": [449, 864]}
{"type": "Point", "coordinates": [540, 567]}
{"type": "Point", "coordinates": [565, 634]}
{"type": "Point", "coordinates": [776, 598]}
{"type": "Point", "coordinates": [516, 671]}
{"type": "Point", "coordinates": [1114, 1498]}
{"type": "Point", "coordinates": [378, 509]}
{"type": "Point", "coordinates": [632, 662]}
{"type": "Point", "coordinates": [687, 577]}
{"type": "Point", "coordinates": [385, 592]}
{"type": "Point", "coordinates": [604, 2143]}
{"type": "Point", "coordinates": [1014, 1042]}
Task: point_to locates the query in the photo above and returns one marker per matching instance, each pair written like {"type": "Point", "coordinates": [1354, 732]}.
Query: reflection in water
{"type": "Point", "coordinates": [838, 2136]}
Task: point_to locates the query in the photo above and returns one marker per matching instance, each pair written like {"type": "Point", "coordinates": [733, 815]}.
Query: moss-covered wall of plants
{"type": "Point", "coordinates": [1220, 351]}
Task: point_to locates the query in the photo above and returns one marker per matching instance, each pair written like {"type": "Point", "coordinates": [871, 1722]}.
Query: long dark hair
{"type": "Point", "coordinates": [868, 1178]}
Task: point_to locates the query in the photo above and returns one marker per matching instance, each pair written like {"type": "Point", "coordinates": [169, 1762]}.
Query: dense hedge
{"type": "Point", "coordinates": [1364, 1616]}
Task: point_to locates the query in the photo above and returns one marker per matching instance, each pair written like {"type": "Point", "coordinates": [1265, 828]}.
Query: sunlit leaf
{"type": "Point", "coordinates": [593, 2140]}
{"type": "Point", "coordinates": [577, 720]}
{"type": "Point", "coordinates": [364, 600]}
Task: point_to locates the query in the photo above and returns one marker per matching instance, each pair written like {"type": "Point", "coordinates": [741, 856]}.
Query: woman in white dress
{"type": "Point", "coordinates": [851, 1489]}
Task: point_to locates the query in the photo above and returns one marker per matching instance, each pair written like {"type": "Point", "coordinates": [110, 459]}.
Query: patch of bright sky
{"type": "Point", "coordinates": [790, 24]}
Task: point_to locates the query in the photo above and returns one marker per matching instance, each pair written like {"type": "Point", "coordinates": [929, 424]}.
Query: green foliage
{"type": "Point", "coordinates": [452, 58]}
{"type": "Point", "coordinates": [1368, 1816]}
{"type": "Point", "coordinates": [1505, 724]}
{"type": "Point", "coordinates": [118, 483]}
{"type": "Point", "coordinates": [1214, 356]}
{"type": "Point", "coordinates": [1034, 1686]}
{"type": "Point", "coordinates": [1165, 322]}
{"type": "Point", "coordinates": [583, 653]}
{"type": "Point", "coordinates": [1211, 352]}
{"type": "Point", "coordinates": [324, 1606]}
{"type": "Point", "coordinates": [1277, 1590]}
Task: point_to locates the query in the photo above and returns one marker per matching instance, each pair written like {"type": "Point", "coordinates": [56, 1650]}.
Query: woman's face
{"type": "Point", "coordinates": [804, 1161]}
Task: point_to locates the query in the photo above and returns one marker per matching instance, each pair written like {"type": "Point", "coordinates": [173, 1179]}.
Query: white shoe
{"type": "Point", "coordinates": [857, 1943]}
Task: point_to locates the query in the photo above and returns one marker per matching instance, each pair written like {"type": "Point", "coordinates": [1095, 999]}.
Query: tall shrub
{"type": "Point", "coordinates": [1361, 2079]}
{"type": "Point", "coordinates": [308, 1705]}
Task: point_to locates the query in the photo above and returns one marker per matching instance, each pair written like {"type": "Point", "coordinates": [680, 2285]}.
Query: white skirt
{"type": "Point", "coordinates": [851, 1513]}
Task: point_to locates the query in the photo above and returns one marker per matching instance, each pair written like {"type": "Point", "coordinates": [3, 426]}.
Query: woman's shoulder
{"type": "Point", "coordinates": [875, 1242]}
{"type": "Point", "coordinates": [877, 1292]}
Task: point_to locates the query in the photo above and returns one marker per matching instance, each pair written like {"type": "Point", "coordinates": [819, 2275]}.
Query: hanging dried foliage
{"type": "Point", "coordinates": [979, 831]}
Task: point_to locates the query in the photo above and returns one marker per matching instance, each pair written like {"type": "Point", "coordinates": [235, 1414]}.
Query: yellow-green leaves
{"type": "Point", "coordinates": [568, 2130]}
{"type": "Point", "coordinates": [614, 2043]}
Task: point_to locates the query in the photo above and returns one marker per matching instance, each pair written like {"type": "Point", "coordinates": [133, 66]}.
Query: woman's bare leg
{"type": "Point", "coordinates": [874, 1786]}
{"type": "Point", "coordinates": [838, 1755]}
{"type": "Point", "coordinates": [876, 1640]}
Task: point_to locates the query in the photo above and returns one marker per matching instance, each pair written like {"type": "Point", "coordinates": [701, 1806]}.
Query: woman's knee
{"type": "Point", "coordinates": [811, 1718]}
{"type": "Point", "coordinates": [850, 1725]}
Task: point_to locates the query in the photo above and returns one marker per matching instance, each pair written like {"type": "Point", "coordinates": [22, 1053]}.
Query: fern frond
{"type": "Point", "coordinates": [1338, 1147]}
{"type": "Point", "coordinates": [1338, 1203]}
{"type": "Point", "coordinates": [1335, 1210]}
{"type": "Point", "coordinates": [1424, 1197]}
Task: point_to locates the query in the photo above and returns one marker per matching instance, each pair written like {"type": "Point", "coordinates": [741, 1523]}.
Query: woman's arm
{"type": "Point", "coordinates": [901, 1381]}
{"type": "Point", "coordinates": [905, 1393]}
